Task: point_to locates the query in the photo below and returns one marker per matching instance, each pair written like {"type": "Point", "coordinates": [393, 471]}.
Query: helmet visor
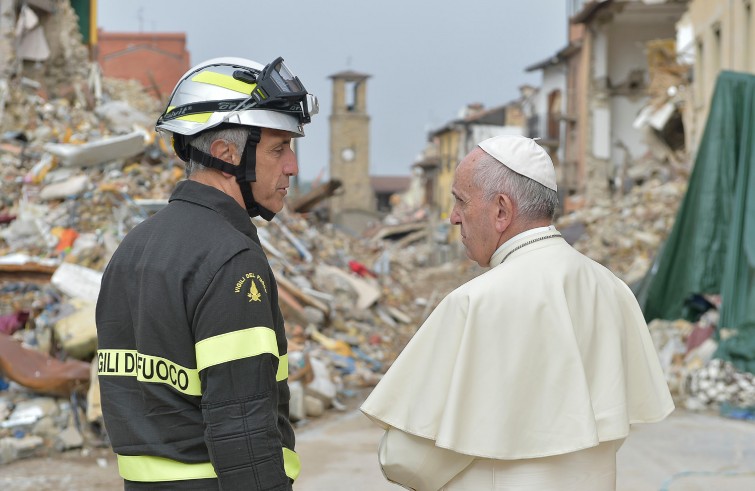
{"type": "Point", "coordinates": [280, 90]}
{"type": "Point", "coordinates": [286, 81]}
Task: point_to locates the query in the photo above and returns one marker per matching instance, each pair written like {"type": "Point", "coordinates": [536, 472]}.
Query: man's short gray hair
{"type": "Point", "coordinates": [533, 200]}
{"type": "Point", "coordinates": [235, 135]}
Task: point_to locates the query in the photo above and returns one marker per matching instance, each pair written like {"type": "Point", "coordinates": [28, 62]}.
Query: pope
{"type": "Point", "coordinates": [529, 376]}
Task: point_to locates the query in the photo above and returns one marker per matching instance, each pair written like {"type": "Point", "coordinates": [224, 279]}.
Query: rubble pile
{"type": "Point", "coordinates": [697, 380]}
{"type": "Point", "coordinates": [624, 234]}
{"type": "Point", "coordinates": [350, 303]}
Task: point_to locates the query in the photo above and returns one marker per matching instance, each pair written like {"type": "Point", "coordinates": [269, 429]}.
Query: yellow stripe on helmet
{"type": "Point", "coordinates": [225, 81]}
{"type": "Point", "coordinates": [196, 118]}
{"type": "Point", "coordinates": [192, 118]}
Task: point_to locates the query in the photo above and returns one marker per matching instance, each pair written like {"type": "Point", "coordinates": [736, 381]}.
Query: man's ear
{"type": "Point", "coordinates": [505, 210]}
{"type": "Point", "coordinates": [223, 150]}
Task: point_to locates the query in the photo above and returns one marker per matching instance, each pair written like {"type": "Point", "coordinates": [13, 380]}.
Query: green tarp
{"type": "Point", "coordinates": [711, 248]}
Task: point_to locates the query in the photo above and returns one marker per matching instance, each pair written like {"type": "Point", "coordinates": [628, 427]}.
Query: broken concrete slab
{"type": "Point", "coordinates": [77, 332]}
{"type": "Point", "coordinates": [121, 116]}
{"type": "Point", "coordinates": [99, 151]}
{"type": "Point", "coordinates": [70, 188]}
{"type": "Point", "coordinates": [68, 439]}
{"type": "Point", "coordinates": [367, 293]}
{"type": "Point", "coordinates": [77, 281]}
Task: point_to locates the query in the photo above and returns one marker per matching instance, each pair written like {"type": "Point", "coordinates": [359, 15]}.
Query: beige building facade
{"type": "Point", "coordinates": [720, 34]}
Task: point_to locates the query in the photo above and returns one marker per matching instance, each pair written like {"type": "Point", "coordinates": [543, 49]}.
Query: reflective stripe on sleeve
{"type": "Point", "coordinates": [291, 463]}
{"type": "Point", "coordinates": [282, 368]}
{"type": "Point", "coordinates": [145, 468]}
{"type": "Point", "coordinates": [235, 345]}
{"type": "Point", "coordinates": [146, 368]}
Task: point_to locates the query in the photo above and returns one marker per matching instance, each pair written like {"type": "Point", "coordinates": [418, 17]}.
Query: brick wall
{"type": "Point", "coordinates": [157, 60]}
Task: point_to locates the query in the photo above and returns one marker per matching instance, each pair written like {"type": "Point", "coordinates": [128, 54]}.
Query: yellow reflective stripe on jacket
{"type": "Point", "coordinates": [147, 368]}
{"type": "Point", "coordinates": [291, 463]}
{"type": "Point", "coordinates": [225, 81]}
{"type": "Point", "coordinates": [236, 345]}
{"type": "Point", "coordinates": [282, 368]}
{"type": "Point", "coordinates": [145, 468]}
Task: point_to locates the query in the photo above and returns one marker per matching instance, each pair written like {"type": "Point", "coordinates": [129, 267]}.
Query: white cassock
{"type": "Point", "coordinates": [525, 378]}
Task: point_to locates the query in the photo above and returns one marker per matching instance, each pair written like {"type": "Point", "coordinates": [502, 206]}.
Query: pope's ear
{"type": "Point", "coordinates": [504, 212]}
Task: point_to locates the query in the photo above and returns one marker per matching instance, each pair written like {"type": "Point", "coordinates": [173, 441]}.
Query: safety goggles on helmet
{"type": "Point", "coordinates": [274, 88]}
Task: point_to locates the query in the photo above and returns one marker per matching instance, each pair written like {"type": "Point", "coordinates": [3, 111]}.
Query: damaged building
{"type": "Point", "coordinates": [607, 86]}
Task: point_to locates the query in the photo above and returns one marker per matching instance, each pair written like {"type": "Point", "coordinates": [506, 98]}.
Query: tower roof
{"type": "Point", "coordinates": [350, 75]}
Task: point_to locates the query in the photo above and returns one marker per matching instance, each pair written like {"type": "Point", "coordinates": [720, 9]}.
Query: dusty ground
{"type": "Point", "coordinates": [686, 452]}
{"type": "Point", "coordinates": [73, 470]}
{"type": "Point", "coordinates": [97, 469]}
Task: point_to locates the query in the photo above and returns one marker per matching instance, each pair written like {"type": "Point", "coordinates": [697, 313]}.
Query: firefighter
{"type": "Point", "coordinates": [192, 357]}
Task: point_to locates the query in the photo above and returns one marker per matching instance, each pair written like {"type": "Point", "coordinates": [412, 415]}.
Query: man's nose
{"type": "Point", "coordinates": [291, 166]}
{"type": "Point", "coordinates": [454, 217]}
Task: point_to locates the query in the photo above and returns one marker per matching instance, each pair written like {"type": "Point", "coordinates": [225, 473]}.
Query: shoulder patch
{"type": "Point", "coordinates": [252, 286]}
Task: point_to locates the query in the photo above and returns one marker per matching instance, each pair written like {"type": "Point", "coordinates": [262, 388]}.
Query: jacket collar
{"type": "Point", "coordinates": [216, 200]}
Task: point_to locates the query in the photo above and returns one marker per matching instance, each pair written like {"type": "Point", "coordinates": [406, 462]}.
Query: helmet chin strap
{"type": "Point", "coordinates": [245, 172]}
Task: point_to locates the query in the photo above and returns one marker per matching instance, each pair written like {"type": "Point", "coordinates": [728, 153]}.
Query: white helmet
{"type": "Point", "coordinates": [238, 91]}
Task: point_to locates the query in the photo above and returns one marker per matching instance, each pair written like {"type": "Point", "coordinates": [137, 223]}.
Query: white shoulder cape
{"type": "Point", "coordinates": [546, 353]}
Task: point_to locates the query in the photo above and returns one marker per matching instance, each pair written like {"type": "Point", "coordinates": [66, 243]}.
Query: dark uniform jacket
{"type": "Point", "coordinates": [192, 352]}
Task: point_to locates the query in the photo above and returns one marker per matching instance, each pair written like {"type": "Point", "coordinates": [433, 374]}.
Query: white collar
{"type": "Point", "coordinates": [518, 237]}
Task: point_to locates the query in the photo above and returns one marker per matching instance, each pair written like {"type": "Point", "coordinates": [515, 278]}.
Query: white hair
{"type": "Point", "coordinates": [533, 200]}
{"type": "Point", "coordinates": [236, 135]}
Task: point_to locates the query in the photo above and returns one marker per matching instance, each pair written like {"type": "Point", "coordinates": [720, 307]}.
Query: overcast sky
{"type": "Point", "coordinates": [427, 58]}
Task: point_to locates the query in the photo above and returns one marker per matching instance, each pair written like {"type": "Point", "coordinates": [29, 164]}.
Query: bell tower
{"type": "Point", "coordinates": [350, 146]}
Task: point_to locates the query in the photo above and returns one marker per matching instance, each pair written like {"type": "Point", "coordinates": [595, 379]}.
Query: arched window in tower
{"type": "Point", "coordinates": [350, 92]}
